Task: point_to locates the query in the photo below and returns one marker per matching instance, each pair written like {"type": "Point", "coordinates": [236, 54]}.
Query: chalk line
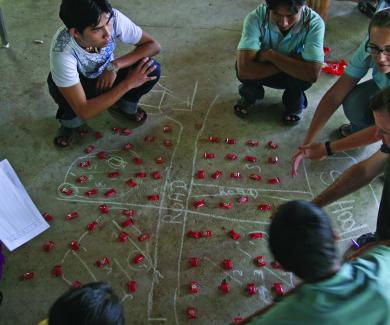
{"type": "Point", "coordinates": [122, 269]}
{"type": "Point", "coordinates": [189, 192]}
{"type": "Point", "coordinates": [85, 265]}
{"type": "Point", "coordinates": [251, 188]}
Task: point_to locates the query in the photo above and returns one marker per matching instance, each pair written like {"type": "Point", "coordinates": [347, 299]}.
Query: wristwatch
{"type": "Point", "coordinates": [329, 151]}
{"type": "Point", "coordinates": [112, 67]}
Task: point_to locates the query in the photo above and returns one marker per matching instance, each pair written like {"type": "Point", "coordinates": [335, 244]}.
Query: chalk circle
{"type": "Point", "coordinates": [69, 186]}
{"type": "Point", "coordinates": [116, 162]}
{"type": "Point", "coordinates": [145, 265]}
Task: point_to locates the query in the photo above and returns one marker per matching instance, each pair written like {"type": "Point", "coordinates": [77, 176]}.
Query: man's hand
{"type": "Point", "coordinates": [295, 162]}
{"type": "Point", "coordinates": [105, 81]}
{"type": "Point", "coordinates": [139, 75]}
{"type": "Point", "coordinates": [313, 151]}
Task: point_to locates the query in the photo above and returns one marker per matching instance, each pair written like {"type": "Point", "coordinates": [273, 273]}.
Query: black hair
{"type": "Point", "coordinates": [293, 5]}
{"type": "Point", "coordinates": [380, 102]}
{"type": "Point", "coordinates": [301, 240]}
{"type": "Point", "coordinates": [91, 304]}
{"type": "Point", "coordinates": [80, 14]}
{"type": "Point", "coordinates": [381, 19]}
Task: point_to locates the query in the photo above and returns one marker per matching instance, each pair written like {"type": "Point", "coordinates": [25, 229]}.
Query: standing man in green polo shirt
{"type": "Point", "coordinates": [281, 47]}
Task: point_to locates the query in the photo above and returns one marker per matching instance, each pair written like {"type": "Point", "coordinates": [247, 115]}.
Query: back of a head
{"type": "Point", "coordinates": [80, 14]}
{"type": "Point", "coordinates": [293, 5]}
{"type": "Point", "coordinates": [301, 240]}
{"type": "Point", "coordinates": [380, 102]}
{"type": "Point", "coordinates": [91, 304]}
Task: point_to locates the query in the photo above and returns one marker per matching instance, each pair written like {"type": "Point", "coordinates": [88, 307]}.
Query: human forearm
{"type": "Point", "coordinates": [355, 140]}
{"type": "Point", "coordinates": [325, 109]}
{"type": "Point", "coordinates": [352, 179]}
{"type": "Point", "coordinates": [148, 49]}
{"type": "Point", "coordinates": [296, 67]}
{"type": "Point", "coordinates": [96, 105]}
{"type": "Point", "coordinates": [332, 99]}
{"type": "Point", "coordinates": [256, 70]}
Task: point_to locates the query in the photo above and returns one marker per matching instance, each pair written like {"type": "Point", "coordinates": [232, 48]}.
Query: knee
{"type": "Point", "coordinates": [298, 83]}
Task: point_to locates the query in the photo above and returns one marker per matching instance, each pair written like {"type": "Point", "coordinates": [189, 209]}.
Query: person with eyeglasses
{"type": "Point", "coordinates": [281, 47]}
{"type": "Point", "coordinates": [373, 52]}
{"type": "Point", "coordinates": [86, 78]}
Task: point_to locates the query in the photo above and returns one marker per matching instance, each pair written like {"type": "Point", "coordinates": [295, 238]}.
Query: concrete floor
{"type": "Point", "coordinates": [194, 97]}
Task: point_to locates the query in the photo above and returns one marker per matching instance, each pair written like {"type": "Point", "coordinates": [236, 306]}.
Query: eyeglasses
{"type": "Point", "coordinates": [375, 50]}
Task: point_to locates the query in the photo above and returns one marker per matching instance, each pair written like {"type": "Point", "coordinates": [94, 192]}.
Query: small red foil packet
{"type": "Point", "coordinates": [256, 235]}
{"type": "Point", "coordinates": [199, 203]}
{"type": "Point", "coordinates": [234, 235]}
{"type": "Point", "coordinates": [191, 313]}
{"type": "Point", "coordinates": [48, 246]}
{"type": "Point", "coordinates": [143, 237]}
{"type": "Point", "coordinates": [154, 197]}
{"type": "Point", "coordinates": [101, 155]}
{"type": "Point", "coordinates": [138, 259]}
{"type": "Point", "coordinates": [57, 270]}
{"type": "Point", "coordinates": [272, 145]}
{"type": "Point", "coordinates": [214, 139]}
{"type": "Point", "coordinates": [193, 287]}
{"type": "Point", "coordinates": [265, 207]}
{"type": "Point", "coordinates": [217, 174]}
{"type": "Point", "coordinates": [137, 160]}
{"type": "Point", "coordinates": [72, 215]}
{"type": "Point", "coordinates": [251, 289]}
{"type": "Point", "coordinates": [227, 264]}
{"type": "Point", "coordinates": [200, 174]}
{"type": "Point", "coordinates": [225, 286]}
{"type": "Point", "coordinates": [85, 164]}
{"type": "Point", "coordinates": [230, 141]}
{"type": "Point", "coordinates": [132, 286]}
{"type": "Point", "coordinates": [252, 143]}
{"type": "Point", "coordinates": [250, 159]}
{"type": "Point", "coordinates": [274, 181]}
{"type": "Point", "coordinates": [209, 155]}
{"type": "Point", "coordinates": [103, 262]}
{"type": "Point", "coordinates": [27, 276]}
{"type": "Point", "coordinates": [194, 261]}
{"type": "Point", "coordinates": [89, 149]}
{"type": "Point", "coordinates": [231, 156]}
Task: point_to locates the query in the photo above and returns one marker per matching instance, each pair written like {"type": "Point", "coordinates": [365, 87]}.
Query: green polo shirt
{"type": "Point", "coordinates": [359, 294]}
{"type": "Point", "coordinates": [306, 37]}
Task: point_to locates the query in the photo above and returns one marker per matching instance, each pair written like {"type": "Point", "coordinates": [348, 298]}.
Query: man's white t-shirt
{"type": "Point", "coordinates": [68, 59]}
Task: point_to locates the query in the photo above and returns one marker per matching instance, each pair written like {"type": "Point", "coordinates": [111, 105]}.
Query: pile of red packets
{"type": "Point", "coordinates": [334, 68]}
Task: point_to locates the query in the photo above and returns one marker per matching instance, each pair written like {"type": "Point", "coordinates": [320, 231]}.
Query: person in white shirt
{"type": "Point", "coordinates": [85, 77]}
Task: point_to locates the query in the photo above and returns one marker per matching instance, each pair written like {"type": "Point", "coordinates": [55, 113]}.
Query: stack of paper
{"type": "Point", "coordinates": [20, 220]}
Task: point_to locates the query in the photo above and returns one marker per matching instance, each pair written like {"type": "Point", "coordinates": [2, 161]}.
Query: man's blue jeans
{"type": "Point", "coordinates": [65, 113]}
{"type": "Point", "coordinates": [294, 98]}
{"type": "Point", "coordinates": [356, 105]}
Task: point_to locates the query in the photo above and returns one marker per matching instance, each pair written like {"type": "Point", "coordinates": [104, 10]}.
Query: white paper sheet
{"type": "Point", "coordinates": [20, 220]}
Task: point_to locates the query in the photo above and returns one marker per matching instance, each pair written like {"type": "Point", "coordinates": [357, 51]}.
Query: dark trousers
{"type": "Point", "coordinates": [65, 112]}
{"type": "Point", "coordinates": [294, 98]}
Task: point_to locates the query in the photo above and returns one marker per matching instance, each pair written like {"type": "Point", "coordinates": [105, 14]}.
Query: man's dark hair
{"type": "Point", "coordinates": [91, 304]}
{"type": "Point", "coordinates": [381, 19]}
{"type": "Point", "coordinates": [301, 240]}
{"type": "Point", "coordinates": [292, 5]}
{"type": "Point", "coordinates": [80, 14]}
{"type": "Point", "coordinates": [381, 101]}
